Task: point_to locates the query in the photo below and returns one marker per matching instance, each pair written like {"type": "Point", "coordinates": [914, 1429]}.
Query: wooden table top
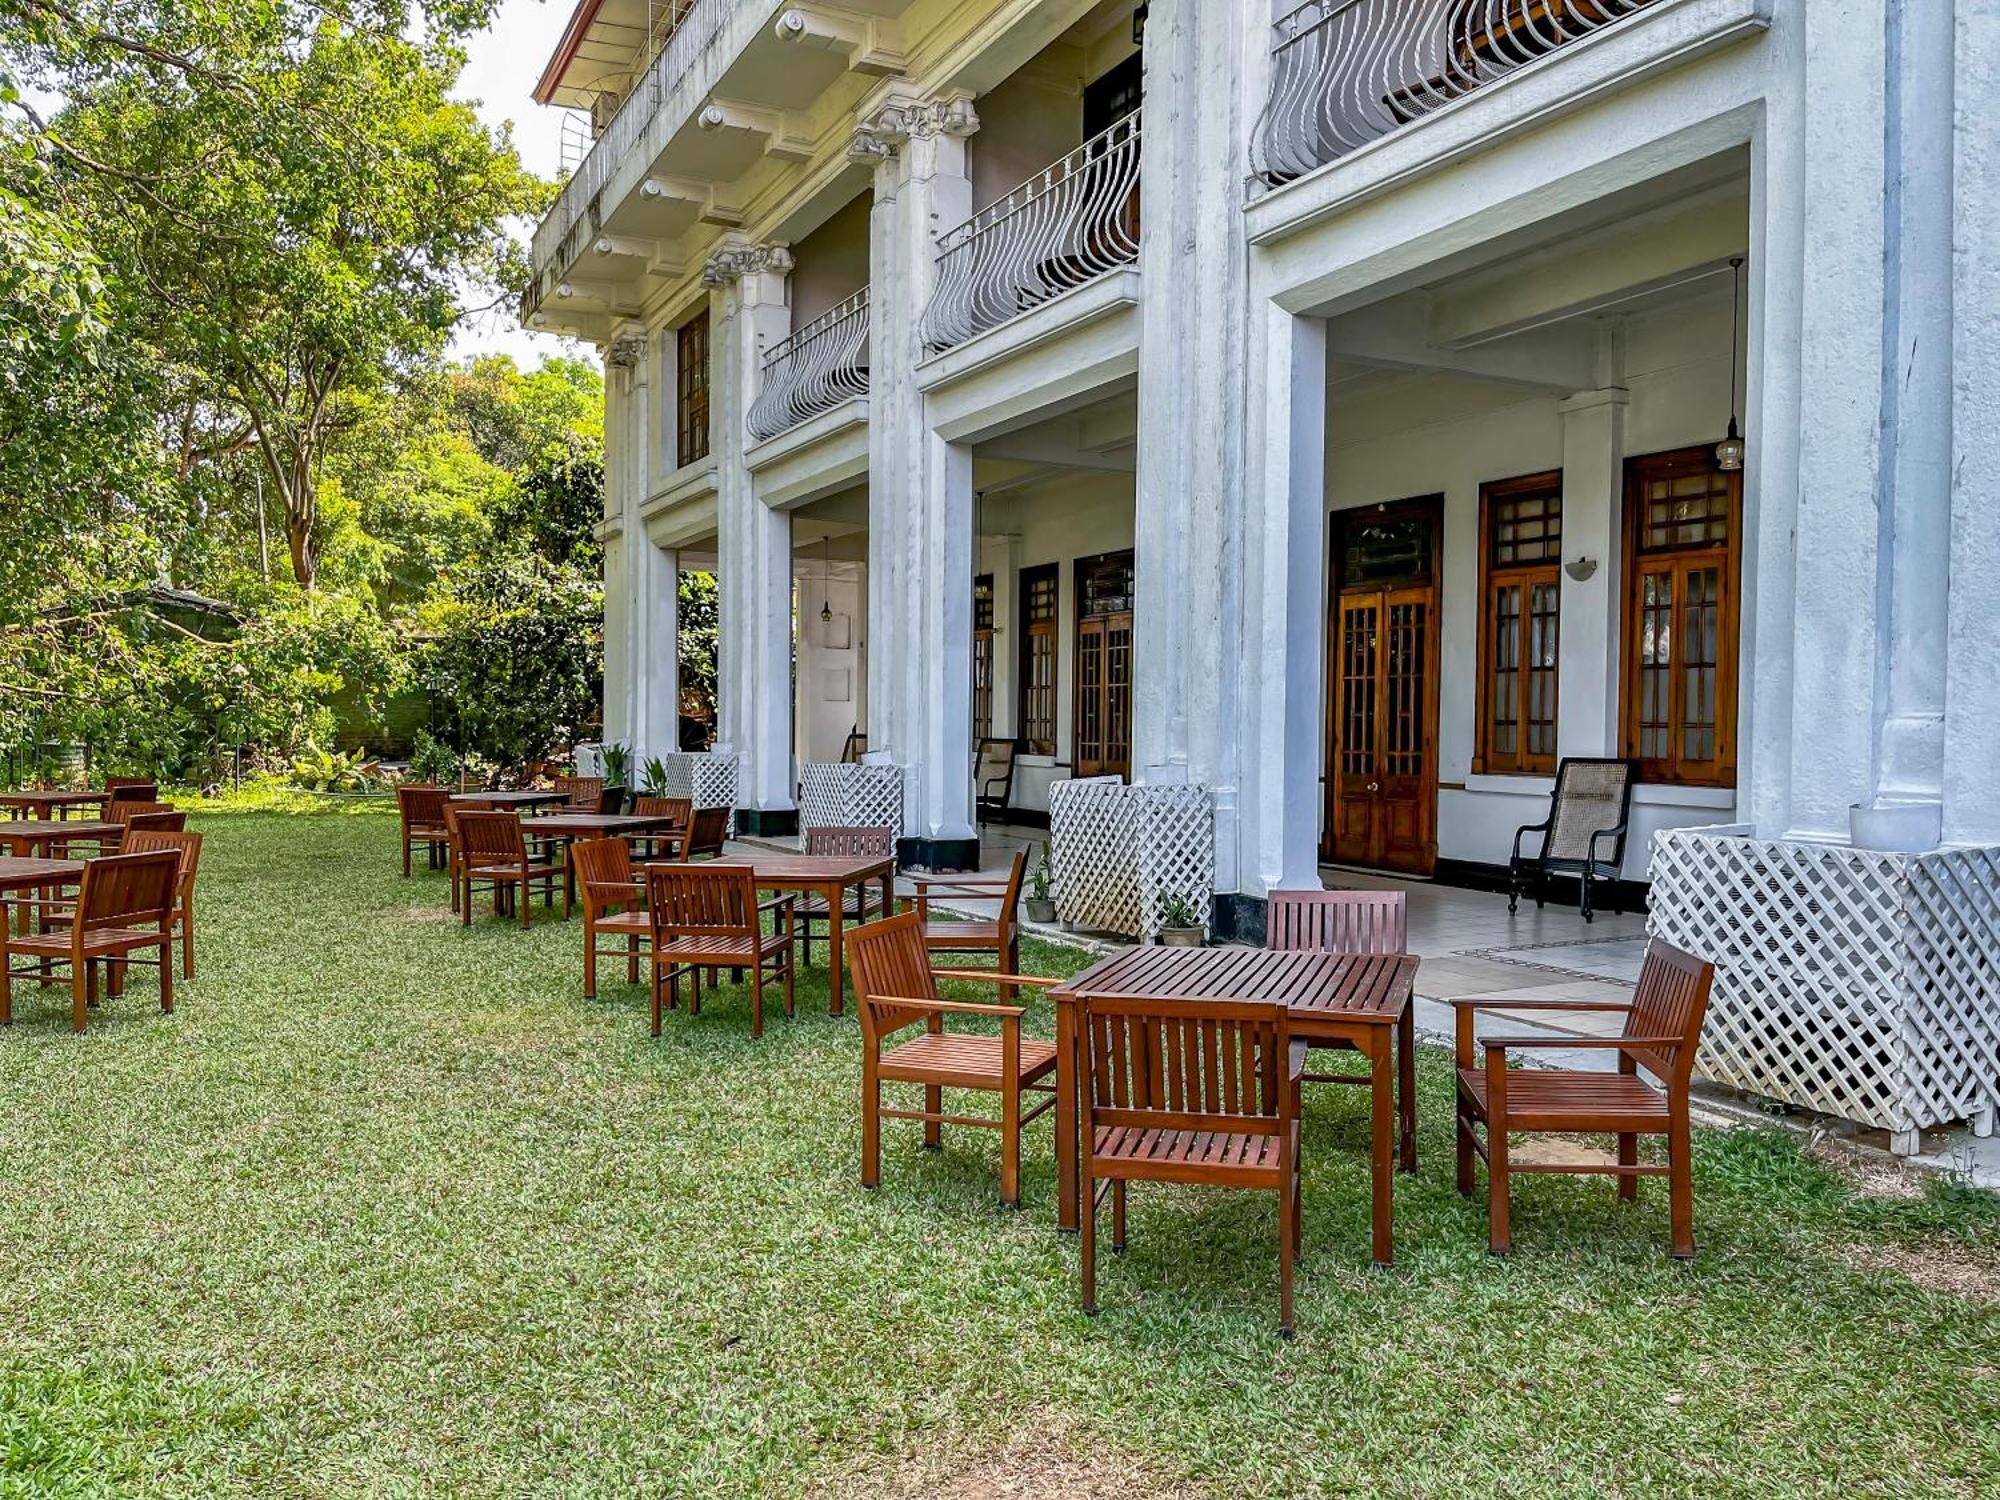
{"type": "Point", "coordinates": [49, 831]}
{"type": "Point", "coordinates": [51, 799]}
{"type": "Point", "coordinates": [1356, 986]}
{"type": "Point", "coordinates": [569, 824]}
{"type": "Point", "coordinates": [511, 799]}
{"type": "Point", "coordinates": [812, 869]}
{"type": "Point", "coordinates": [20, 874]}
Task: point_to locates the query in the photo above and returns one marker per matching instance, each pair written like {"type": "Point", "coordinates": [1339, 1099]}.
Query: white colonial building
{"type": "Point", "coordinates": [1320, 409]}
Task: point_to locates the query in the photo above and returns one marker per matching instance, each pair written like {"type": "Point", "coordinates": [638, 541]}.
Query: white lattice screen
{"type": "Point", "coordinates": [1121, 852]}
{"type": "Point", "coordinates": [707, 780]}
{"type": "Point", "coordinates": [1862, 985]}
{"type": "Point", "coordinates": [843, 795]}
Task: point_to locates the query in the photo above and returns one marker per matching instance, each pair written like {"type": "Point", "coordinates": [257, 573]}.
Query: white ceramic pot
{"type": "Point", "coordinates": [1896, 827]}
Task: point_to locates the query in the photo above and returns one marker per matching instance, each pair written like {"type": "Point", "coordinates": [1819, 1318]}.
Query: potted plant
{"type": "Point", "coordinates": [1180, 925]}
{"type": "Point", "coordinates": [1041, 884]}
{"type": "Point", "coordinates": [654, 777]}
{"type": "Point", "coordinates": [617, 760]}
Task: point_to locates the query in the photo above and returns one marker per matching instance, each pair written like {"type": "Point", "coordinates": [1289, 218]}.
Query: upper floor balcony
{"type": "Point", "coordinates": [819, 367]}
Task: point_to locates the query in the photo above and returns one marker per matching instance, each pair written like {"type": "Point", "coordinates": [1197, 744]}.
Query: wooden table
{"type": "Point", "coordinates": [566, 827]}
{"type": "Point", "coordinates": [830, 875]}
{"type": "Point", "coordinates": [1361, 999]}
{"type": "Point", "coordinates": [501, 801]}
{"type": "Point", "coordinates": [34, 875]}
{"type": "Point", "coordinates": [50, 804]}
{"type": "Point", "coordinates": [49, 835]}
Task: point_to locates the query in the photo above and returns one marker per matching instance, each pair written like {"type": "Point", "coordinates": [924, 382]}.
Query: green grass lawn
{"type": "Point", "coordinates": [387, 1208]}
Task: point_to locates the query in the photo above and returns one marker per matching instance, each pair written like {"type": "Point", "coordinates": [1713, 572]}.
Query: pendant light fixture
{"type": "Point", "coordinates": [1729, 452]}
{"type": "Point", "coordinates": [825, 579]}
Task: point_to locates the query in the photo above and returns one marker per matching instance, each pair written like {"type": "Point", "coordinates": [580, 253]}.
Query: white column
{"type": "Point", "coordinates": [920, 487]}
{"type": "Point", "coordinates": [1283, 657]}
{"type": "Point", "coordinates": [749, 313]}
{"type": "Point", "coordinates": [1190, 495]}
{"type": "Point", "coordinates": [625, 390]}
{"type": "Point", "coordinates": [655, 611]}
{"type": "Point", "coordinates": [1593, 505]}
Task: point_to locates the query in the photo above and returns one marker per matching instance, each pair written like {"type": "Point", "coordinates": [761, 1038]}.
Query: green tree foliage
{"type": "Point", "coordinates": [699, 618]}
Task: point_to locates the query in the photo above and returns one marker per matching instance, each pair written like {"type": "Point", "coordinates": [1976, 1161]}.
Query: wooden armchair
{"type": "Point", "coordinates": [493, 851]}
{"type": "Point", "coordinates": [1584, 833]}
{"type": "Point", "coordinates": [1194, 1091]}
{"type": "Point", "coordinates": [862, 843]}
{"type": "Point", "coordinates": [1338, 922]}
{"type": "Point", "coordinates": [680, 809]}
{"type": "Point", "coordinates": [614, 905]}
{"type": "Point", "coordinates": [1000, 935]}
{"type": "Point", "coordinates": [420, 807]}
{"type": "Point", "coordinates": [124, 906]}
{"type": "Point", "coordinates": [159, 820]}
{"type": "Point", "coordinates": [707, 917]}
{"type": "Point", "coordinates": [186, 847]}
{"type": "Point", "coordinates": [993, 778]}
{"type": "Point", "coordinates": [1662, 1033]}
{"type": "Point", "coordinates": [708, 829]}
{"type": "Point", "coordinates": [130, 789]}
{"type": "Point", "coordinates": [892, 976]}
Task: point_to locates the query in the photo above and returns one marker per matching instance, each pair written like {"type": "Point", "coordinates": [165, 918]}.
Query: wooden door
{"type": "Point", "coordinates": [1381, 785]}
{"type": "Point", "coordinates": [1104, 695]}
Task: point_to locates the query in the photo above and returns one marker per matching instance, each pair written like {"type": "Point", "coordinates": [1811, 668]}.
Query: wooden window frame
{"type": "Point", "coordinates": [1026, 720]}
{"type": "Point", "coordinates": [1486, 760]}
{"type": "Point", "coordinates": [1638, 561]}
{"type": "Point", "coordinates": [691, 390]}
{"type": "Point", "coordinates": [983, 659]}
{"type": "Point", "coordinates": [1086, 624]}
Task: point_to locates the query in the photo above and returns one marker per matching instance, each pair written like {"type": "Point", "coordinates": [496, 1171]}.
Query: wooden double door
{"type": "Point", "coordinates": [1382, 687]}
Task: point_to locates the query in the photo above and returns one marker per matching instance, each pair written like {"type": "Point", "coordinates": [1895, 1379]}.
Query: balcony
{"type": "Point", "coordinates": [1068, 225]}
{"type": "Point", "coordinates": [1348, 72]}
{"type": "Point", "coordinates": [819, 367]}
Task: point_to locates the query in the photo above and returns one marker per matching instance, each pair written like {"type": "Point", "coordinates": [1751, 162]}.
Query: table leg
{"type": "Point", "coordinates": [889, 892]}
{"type": "Point", "coordinates": [836, 953]}
{"type": "Point", "coordinates": [1068, 1076]}
{"type": "Point", "coordinates": [1406, 1084]}
{"type": "Point", "coordinates": [1382, 1144]}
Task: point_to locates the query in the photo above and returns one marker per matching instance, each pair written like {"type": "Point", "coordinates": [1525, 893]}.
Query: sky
{"type": "Point", "coordinates": [501, 67]}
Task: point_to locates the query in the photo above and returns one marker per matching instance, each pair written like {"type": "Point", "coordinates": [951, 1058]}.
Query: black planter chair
{"type": "Point", "coordinates": [1584, 833]}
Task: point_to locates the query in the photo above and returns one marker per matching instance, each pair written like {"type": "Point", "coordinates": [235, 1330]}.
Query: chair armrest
{"type": "Point", "coordinates": [1617, 833]}
{"type": "Point", "coordinates": [1295, 1065]}
{"type": "Point", "coordinates": [1503, 1043]}
{"type": "Point", "coordinates": [777, 903]}
{"type": "Point", "coordinates": [616, 890]}
{"type": "Point", "coordinates": [949, 1007]}
{"type": "Point", "coordinates": [976, 882]}
{"type": "Point", "coordinates": [1033, 981]}
{"type": "Point", "coordinates": [1541, 827]}
{"type": "Point", "coordinates": [1477, 1004]}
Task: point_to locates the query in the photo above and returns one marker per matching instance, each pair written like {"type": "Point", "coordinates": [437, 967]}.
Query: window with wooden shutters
{"type": "Point", "coordinates": [691, 390]}
{"type": "Point", "coordinates": [1103, 684]}
{"type": "Point", "coordinates": [1683, 518]}
{"type": "Point", "coordinates": [1040, 613]}
{"type": "Point", "coordinates": [982, 657]}
{"type": "Point", "coordinates": [1520, 592]}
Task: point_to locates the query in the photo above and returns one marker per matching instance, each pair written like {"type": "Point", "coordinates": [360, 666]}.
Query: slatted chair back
{"type": "Point", "coordinates": [422, 804]}
{"type": "Point", "coordinates": [1590, 795]}
{"type": "Point", "coordinates": [128, 890]}
{"type": "Point", "coordinates": [1337, 921]}
{"type": "Point", "coordinates": [680, 809]}
{"type": "Point", "coordinates": [124, 809]}
{"type": "Point", "coordinates": [707, 829]}
{"type": "Point", "coordinates": [487, 838]}
{"type": "Point", "coordinates": [186, 848]}
{"type": "Point", "coordinates": [889, 961]}
{"type": "Point", "coordinates": [170, 821]}
{"type": "Point", "coordinates": [857, 843]}
{"type": "Point", "coordinates": [701, 901]}
{"type": "Point", "coordinates": [581, 791]}
{"type": "Point", "coordinates": [604, 874]}
{"type": "Point", "coordinates": [1156, 1064]}
{"type": "Point", "coordinates": [1669, 1001]}
{"type": "Point", "coordinates": [131, 789]}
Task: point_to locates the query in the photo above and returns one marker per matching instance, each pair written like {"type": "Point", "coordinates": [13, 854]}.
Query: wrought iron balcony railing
{"type": "Point", "coordinates": [1068, 224]}
{"type": "Point", "coordinates": [1346, 72]}
{"type": "Point", "coordinates": [817, 368]}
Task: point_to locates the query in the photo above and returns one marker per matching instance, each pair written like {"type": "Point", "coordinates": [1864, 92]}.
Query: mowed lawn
{"type": "Point", "coordinates": [387, 1207]}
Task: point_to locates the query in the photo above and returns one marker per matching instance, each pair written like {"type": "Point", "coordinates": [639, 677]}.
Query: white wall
{"type": "Point", "coordinates": [1393, 437]}
{"type": "Point", "coordinates": [831, 659]}
{"type": "Point", "coordinates": [1032, 119]}
{"type": "Point", "coordinates": [830, 264]}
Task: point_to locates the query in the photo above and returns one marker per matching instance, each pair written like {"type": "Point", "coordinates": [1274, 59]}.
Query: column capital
{"type": "Point", "coordinates": [883, 130]}
{"type": "Point", "coordinates": [627, 349]}
{"type": "Point", "coordinates": [736, 260]}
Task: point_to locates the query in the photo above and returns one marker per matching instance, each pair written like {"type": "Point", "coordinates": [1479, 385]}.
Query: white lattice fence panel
{"type": "Point", "coordinates": [1860, 984]}
{"type": "Point", "coordinates": [1091, 844]}
{"type": "Point", "coordinates": [706, 780]}
{"type": "Point", "coordinates": [1176, 844]}
{"type": "Point", "coordinates": [844, 795]}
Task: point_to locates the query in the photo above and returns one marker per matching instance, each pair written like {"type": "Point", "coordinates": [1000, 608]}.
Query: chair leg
{"type": "Point", "coordinates": [757, 1001]}
{"type": "Point", "coordinates": [187, 937]}
{"type": "Point", "coordinates": [527, 902]}
{"type": "Point", "coordinates": [1087, 1239]}
{"type": "Point", "coordinates": [933, 1128]}
{"type": "Point", "coordinates": [659, 984]}
{"type": "Point", "coordinates": [1287, 1254]}
{"type": "Point", "coordinates": [632, 960]}
{"type": "Point", "coordinates": [1465, 1151]}
{"type": "Point", "coordinates": [82, 993]}
{"type": "Point", "coordinates": [871, 1124]}
{"type": "Point", "coordinates": [1118, 1186]}
{"type": "Point", "coordinates": [1513, 890]}
{"type": "Point", "coordinates": [589, 961]}
{"type": "Point", "coordinates": [1680, 1184]}
{"type": "Point", "coordinates": [1628, 1156]}
{"type": "Point", "coordinates": [166, 973]}
{"type": "Point", "coordinates": [1010, 1145]}
{"type": "Point", "coordinates": [1499, 1232]}
{"type": "Point", "coordinates": [1587, 915]}
{"type": "Point", "coordinates": [790, 975]}
{"type": "Point", "coordinates": [406, 856]}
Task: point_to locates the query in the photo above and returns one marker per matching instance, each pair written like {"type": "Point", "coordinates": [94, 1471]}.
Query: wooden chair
{"type": "Point", "coordinates": [999, 935]}
{"type": "Point", "coordinates": [421, 808]}
{"type": "Point", "coordinates": [186, 847]}
{"type": "Point", "coordinates": [897, 988]}
{"type": "Point", "coordinates": [170, 820]}
{"type": "Point", "coordinates": [1662, 1034]}
{"type": "Point", "coordinates": [130, 789]}
{"type": "Point", "coordinates": [124, 906]}
{"type": "Point", "coordinates": [708, 918]}
{"type": "Point", "coordinates": [861, 843]}
{"type": "Point", "coordinates": [708, 829]}
{"type": "Point", "coordinates": [1584, 833]}
{"type": "Point", "coordinates": [1336, 922]}
{"type": "Point", "coordinates": [614, 905]}
{"type": "Point", "coordinates": [993, 778]}
{"type": "Point", "coordinates": [854, 747]}
{"type": "Point", "coordinates": [583, 793]}
{"type": "Point", "coordinates": [1194, 1091]}
{"type": "Point", "coordinates": [680, 809]}
{"type": "Point", "coordinates": [121, 811]}
{"type": "Point", "coordinates": [493, 850]}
